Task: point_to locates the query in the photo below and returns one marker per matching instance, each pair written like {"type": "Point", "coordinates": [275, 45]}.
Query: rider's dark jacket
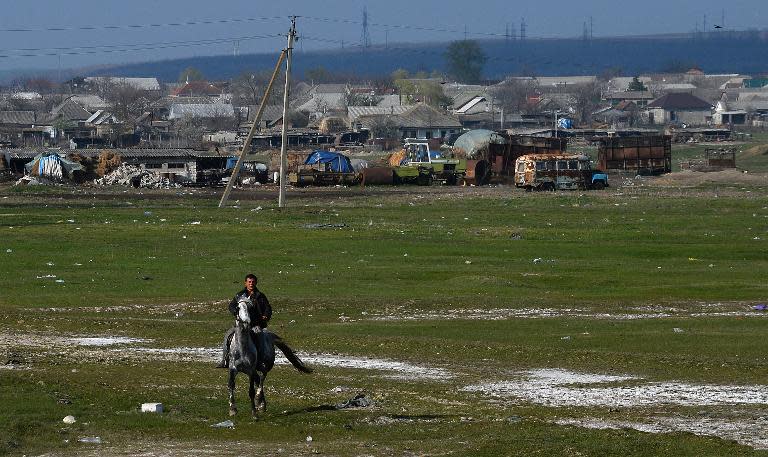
{"type": "Point", "coordinates": [261, 307]}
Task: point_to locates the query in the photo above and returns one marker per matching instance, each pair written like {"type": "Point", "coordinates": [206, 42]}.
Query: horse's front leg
{"type": "Point", "coordinates": [252, 393]}
{"type": "Point", "coordinates": [262, 397]}
{"type": "Point", "coordinates": [231, 384]}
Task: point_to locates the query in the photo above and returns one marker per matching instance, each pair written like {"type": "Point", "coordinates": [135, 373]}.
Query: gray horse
{"type": "Point", "coordinates": [254, 354]}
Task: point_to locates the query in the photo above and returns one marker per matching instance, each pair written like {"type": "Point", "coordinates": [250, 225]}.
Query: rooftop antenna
{"type": "Point", "coordinates": [365, 39]}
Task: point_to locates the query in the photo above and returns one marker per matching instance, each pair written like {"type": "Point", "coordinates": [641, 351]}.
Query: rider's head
{"type": "Point", "coordinates": [250, 282]}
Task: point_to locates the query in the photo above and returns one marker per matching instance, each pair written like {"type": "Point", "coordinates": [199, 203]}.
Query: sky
{"type": "Point", "coordinates": [80, 33]}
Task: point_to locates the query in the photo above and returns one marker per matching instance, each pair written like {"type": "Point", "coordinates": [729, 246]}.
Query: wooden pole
{"type": "Point", "coordinates": [254, 127]}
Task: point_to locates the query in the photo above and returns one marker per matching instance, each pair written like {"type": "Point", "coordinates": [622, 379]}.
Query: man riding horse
{"type": "Point", "coordinates": [249, 347]}
{"type": "Point", "coordinates": [259, 310]}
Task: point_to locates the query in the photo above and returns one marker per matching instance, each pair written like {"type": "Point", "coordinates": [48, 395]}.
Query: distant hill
{"type": "Point", "coordinates": [726, 52]}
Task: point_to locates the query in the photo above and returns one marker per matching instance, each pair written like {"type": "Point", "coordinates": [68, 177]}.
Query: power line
{"type": "Point", "coordinates": [108, 49]}
{"type": "Point", "coordinates": [143, 26]}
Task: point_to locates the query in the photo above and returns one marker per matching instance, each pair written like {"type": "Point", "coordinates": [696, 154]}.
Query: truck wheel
{"type": "Point", "coordinates": [424, 180]}
{"type": "Point", "coordinates": [548, 187]}
{"type": "Point", "coordinates": [598, 185]}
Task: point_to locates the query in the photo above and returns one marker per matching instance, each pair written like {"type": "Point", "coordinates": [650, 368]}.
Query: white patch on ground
{"type": "Point", "coordinates": [562, 388]}
{"type": "Point", "coordinates": [646, 312]}
{"type": "Point", "coordinates": [105, 341]}
{"type": "Point", "coordinates": [750, 433]}
{"type": "Point", "coordinates": [394, 369]}
{"type": "Point", "coordinates": [398, 370]}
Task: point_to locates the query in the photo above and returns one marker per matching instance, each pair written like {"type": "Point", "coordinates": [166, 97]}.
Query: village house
{"type": "Point", "coordinates": [679, 108]}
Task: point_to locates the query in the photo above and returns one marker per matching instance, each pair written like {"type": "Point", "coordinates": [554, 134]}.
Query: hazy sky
{"type": "Point", "coordinates": [139, 30]}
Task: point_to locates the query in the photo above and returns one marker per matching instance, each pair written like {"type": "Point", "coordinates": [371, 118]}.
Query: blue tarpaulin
{"type": "Point", "coordinates": [334, 161]}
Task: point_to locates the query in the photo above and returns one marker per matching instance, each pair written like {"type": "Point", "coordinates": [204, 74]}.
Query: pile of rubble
{"type": "Point", "coordinates": [135, 176]}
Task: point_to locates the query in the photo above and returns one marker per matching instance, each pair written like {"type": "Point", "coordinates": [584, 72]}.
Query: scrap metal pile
{"type": "Point", "coordinates": [135, 176]}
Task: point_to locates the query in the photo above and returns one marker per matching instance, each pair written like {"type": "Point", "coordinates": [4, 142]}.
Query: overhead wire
{"type": "Point", "coordinates": [109, 49]}
{"type": "Point", "coordinates": [141, 26]}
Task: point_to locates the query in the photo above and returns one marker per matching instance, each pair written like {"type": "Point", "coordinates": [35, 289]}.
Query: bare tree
{"type": "Point", "coordinates": [126, 101]}
{"type": "Point", "coordinates": [249, 87]}
{"type": "Point", "coordinates": [586, 99]}
{"type": "Point", "coordinates": [513, 95]}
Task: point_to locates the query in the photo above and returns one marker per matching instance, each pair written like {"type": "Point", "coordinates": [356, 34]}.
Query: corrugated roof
{"type": "Point", "coordinates": [630, 95]}
{"type": "Point", "coordinates": [202, 110]}
{"type": "Point", "coordinates": [680, 101]}
{"type": "Point", "coordinates": [355, 112]}
{"type": "Point", "coordinates": [90, 102]}
{"type": "Point", "coordinates": [271, 113]}
{"type": "Point", "coordinates": [71, 110]}
{"type": "Point", "coordinates": [196, 88]}
{"type": "Point", "coordinates": [17, 117]}
{"type": "Point", "coordinates": [424, 116]}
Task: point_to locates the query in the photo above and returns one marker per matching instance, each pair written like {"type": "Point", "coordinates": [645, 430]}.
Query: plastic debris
{"type": "Point", "coordinates": [90, 439]}
{"type": "Point", "coordinates": [309, 439]}
{"type": "Point", "coordinates": [151, 407]}
{"type": "Point", "coordinates": [678, 330]}
{"type": "Point", "coordinates": [225, 424]}
{"type": "Point", "coordinates": [760, 307]}
{"type": "Point", "coordinates": [69, 420]}
{"type": "Point", "coordinates": [359, 401]}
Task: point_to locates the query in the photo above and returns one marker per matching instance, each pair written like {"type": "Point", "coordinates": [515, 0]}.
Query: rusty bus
{"type": "Point", "coordinates": [557, 171]}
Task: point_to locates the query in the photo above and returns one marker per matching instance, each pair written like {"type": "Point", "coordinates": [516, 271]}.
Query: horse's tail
{"type": "Point", "coordinates": [290, 355]}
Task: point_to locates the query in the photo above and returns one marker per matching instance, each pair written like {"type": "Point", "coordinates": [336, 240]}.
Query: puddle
{"type": "Point", "coordinates": [562, 388]}
{"type": "Point", "coordinates": [746, 432]}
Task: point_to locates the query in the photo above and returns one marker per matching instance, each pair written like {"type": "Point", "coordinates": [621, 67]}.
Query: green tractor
{"type": "Point", "coordinates": [417, 164]}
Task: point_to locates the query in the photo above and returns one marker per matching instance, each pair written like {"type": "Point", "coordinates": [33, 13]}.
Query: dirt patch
{"type": "Point", "coordinates": [688, 178]}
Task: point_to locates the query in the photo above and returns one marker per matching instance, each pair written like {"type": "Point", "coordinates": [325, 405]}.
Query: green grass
{"type": "Point", "coordinates": [604, 251]}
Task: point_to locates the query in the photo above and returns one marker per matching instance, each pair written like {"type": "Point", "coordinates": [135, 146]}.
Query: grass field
{"type": "Point", "coordinates": [450, 303]}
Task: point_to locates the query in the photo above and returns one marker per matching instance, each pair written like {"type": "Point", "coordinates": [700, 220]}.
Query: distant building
{"type": "Point", "coordinates": [682, 108]}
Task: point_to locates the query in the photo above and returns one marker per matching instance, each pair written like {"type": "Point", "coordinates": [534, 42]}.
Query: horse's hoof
{"type": "Point", "coordinates": [255, 414]}
{"type": "Point", "coordinates": [233, 412]}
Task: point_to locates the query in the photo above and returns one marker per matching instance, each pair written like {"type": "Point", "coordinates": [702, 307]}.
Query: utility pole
{"type": "Point", "coordinates": [522, 29]}
{"type": "Point", "coordinates": [591, 28]}
{"type": "Point", "coordinates": [286, 97]}
{"type": "Point", "coordinates": [254, 127]}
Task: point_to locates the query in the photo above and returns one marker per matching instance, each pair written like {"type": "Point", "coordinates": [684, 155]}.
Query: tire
{"type": "Point", "coordinates": [598, 185]}
{"type": "Point", "coordinates": [548, 187]}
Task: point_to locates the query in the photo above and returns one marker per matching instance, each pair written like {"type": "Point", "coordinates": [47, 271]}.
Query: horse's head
{"type": "Point", "coordinates": [243, 315]}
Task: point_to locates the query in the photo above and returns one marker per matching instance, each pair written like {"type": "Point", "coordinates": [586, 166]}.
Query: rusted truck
{"type": "Point", "coordinates": [557, 172]}
{"type": "Point", "coordinates": [417, 163]}
{"type": "Point", "coordinates": [643, 155]}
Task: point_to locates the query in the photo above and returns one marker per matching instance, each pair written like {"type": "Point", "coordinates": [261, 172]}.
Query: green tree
{"type": "Point", "coordinates": [465, 60]}
{"type": "Point", "coordinates": [399, 74]}
{"type": "Point", "coordinates": [636, 85]}
{"type": "Point", "coordinates": [191, 74]}
{"type": "Point", "coordinates": [318, 75]}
